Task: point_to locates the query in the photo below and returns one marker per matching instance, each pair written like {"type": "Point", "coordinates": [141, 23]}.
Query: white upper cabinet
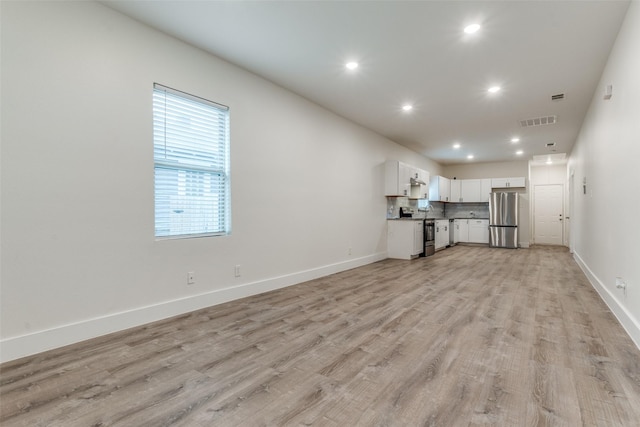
{"type": "Point", "coordinates": [517, 182]}
{"type": "Point", "coordinates": [470, 190]}
{"type": "Point", "coordinates": [401, 181]}
{"type": "Point", "coordinates": [439, 189]}
{"type": "Point", "coordinates": [456, 190]}
{"type": "Point", "coordinates": [404, 183]}
{"type": "Point", "coordinates": [421, 175]}
{"type": "Point", "coordinates": [420, 191]}
{"type": "Point", "coordinates": [485, 190]}
{"type": "Point", "coordinates": [398, 177]}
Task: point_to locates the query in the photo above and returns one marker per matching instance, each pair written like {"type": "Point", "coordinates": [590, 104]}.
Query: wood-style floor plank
{"type": "Point", "coordinates": [473, 336]}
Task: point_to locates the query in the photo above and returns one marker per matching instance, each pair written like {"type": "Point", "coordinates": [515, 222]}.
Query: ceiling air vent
{"type": "Point", "coordinates": [539, 121]}
{"type": "Point", "coordinates": [557, 97]}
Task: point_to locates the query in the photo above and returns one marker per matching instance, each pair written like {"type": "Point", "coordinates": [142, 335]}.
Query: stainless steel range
{"type": "Point", "coordinates": [429, 237]}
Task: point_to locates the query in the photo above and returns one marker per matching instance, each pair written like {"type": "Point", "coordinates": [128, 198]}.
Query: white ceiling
{"type": "Point", "coordinates": [416, 52]}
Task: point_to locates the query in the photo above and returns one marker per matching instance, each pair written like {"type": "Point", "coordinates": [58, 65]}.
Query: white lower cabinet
{"type": "Point", "coordinates": [479, 231]}
{"type": "Point", "coordinates": [405, 238]}
{"type": "Point", "coordinates": [471, 230]}
{"type": "Point", "coordinates": [456, 230]}
{"type": "Point", "coordinates": [442, 233]}
{"type": "Point", "coordinates": [461, 230]}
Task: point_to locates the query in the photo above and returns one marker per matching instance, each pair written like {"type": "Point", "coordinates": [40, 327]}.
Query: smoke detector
{"type": "Point", "coordinates": [539, 121]}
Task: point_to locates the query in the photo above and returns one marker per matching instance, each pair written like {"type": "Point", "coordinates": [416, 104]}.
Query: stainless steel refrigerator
{"type": "Point", "coordinates": [503, 220]}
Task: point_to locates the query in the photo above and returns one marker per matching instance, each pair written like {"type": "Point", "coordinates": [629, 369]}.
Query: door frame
{"type": "Point", "coordinates": [569, 211]}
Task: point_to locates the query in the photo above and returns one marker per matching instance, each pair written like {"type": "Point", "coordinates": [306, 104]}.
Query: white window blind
{"type": "Point", "coordinates": [191, 165]}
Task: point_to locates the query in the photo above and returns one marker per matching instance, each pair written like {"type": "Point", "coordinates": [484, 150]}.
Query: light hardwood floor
{"type": "Point", "coordinates": [471, 336]}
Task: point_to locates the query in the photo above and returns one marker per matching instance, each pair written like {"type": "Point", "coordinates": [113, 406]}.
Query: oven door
{"type": "Point", "coordinates": [429, 238]}
{"type": "Point", "coordinates": [429, 231]}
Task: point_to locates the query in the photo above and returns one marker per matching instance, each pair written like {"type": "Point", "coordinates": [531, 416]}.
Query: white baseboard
{"type": "Point", "coordinates": [36, 342]}
{"type": "Point", "coordinates": [626, 319]}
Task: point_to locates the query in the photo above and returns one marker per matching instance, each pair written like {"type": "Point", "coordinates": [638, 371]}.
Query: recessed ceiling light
{"type": "Point", "coordinates": [456, 145]}
{"type": "Point", "coordinates": [470, 156]}
{"type": "Point", "coordinates": [470, 29]}
{"type": "Point", "coordinates": [493, 89]}
{"type": "Point", "coordinates": [351, 65]}
{"type": "Point", "coordinates": [515, 139]}
{"type": "Point", "coordinates": [519, 152]}
{"type": "Point", "coordinates": [407, 107]}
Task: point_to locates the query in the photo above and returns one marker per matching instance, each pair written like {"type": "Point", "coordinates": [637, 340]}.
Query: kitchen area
{"type": "Point", "coordinates": [427, 213]}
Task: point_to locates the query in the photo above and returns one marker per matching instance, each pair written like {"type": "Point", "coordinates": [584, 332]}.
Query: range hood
{"type": "Point", "coordinates": [415, 181]}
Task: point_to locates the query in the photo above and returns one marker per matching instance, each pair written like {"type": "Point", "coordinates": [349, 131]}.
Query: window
{"type": "Point", "coordinates": [191, 165]}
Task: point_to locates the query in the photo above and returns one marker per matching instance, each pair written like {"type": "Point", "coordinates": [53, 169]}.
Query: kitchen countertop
{"type": "Point", "coordinates": [432, 219]}
{"type": "Point", "coordinates": [470, 217]}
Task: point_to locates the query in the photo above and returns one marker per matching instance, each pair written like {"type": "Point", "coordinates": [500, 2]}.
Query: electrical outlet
{"type": "Point", "coordinates": [620, 284]}
{"type": "Point", "coordinates": [349, 251]}
{"type": "Point", "coordinates": [237, 270]}
{"type": "Point", "coordinates": [191, 278]}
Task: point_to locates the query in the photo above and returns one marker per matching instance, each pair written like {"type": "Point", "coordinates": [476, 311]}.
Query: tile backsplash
{"type": "Point", "coordinates": [467, 210]}
{"type": "Point", "coordinates": [435, 210]}
{"type": "Point", "coordinates": [395, 203]}
{"type": "Point", "coordinates": [425, 209]}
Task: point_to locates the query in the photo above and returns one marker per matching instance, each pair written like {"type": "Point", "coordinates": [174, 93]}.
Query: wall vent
{"type": "Point", "coordinates": [557, 97]}
{"type": "Point", "coordinates": [539, 121]}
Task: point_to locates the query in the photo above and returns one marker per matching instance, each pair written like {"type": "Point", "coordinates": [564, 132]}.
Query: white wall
{"type": "Point", "coordinates": [500, 170]}
{"type": "Point", "coordinates": [79, 258]}
{"type": "Point", "coordinates": [605, 229]}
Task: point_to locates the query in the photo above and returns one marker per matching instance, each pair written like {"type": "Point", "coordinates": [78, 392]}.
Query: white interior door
{"type": "Point", "coordinates": [548, 215]}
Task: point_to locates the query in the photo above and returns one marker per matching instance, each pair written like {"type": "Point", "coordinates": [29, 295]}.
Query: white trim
{"type": "Point", "coordinates": [626, 319]}
{"type": "Point", "coordinates": [36, 342]}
